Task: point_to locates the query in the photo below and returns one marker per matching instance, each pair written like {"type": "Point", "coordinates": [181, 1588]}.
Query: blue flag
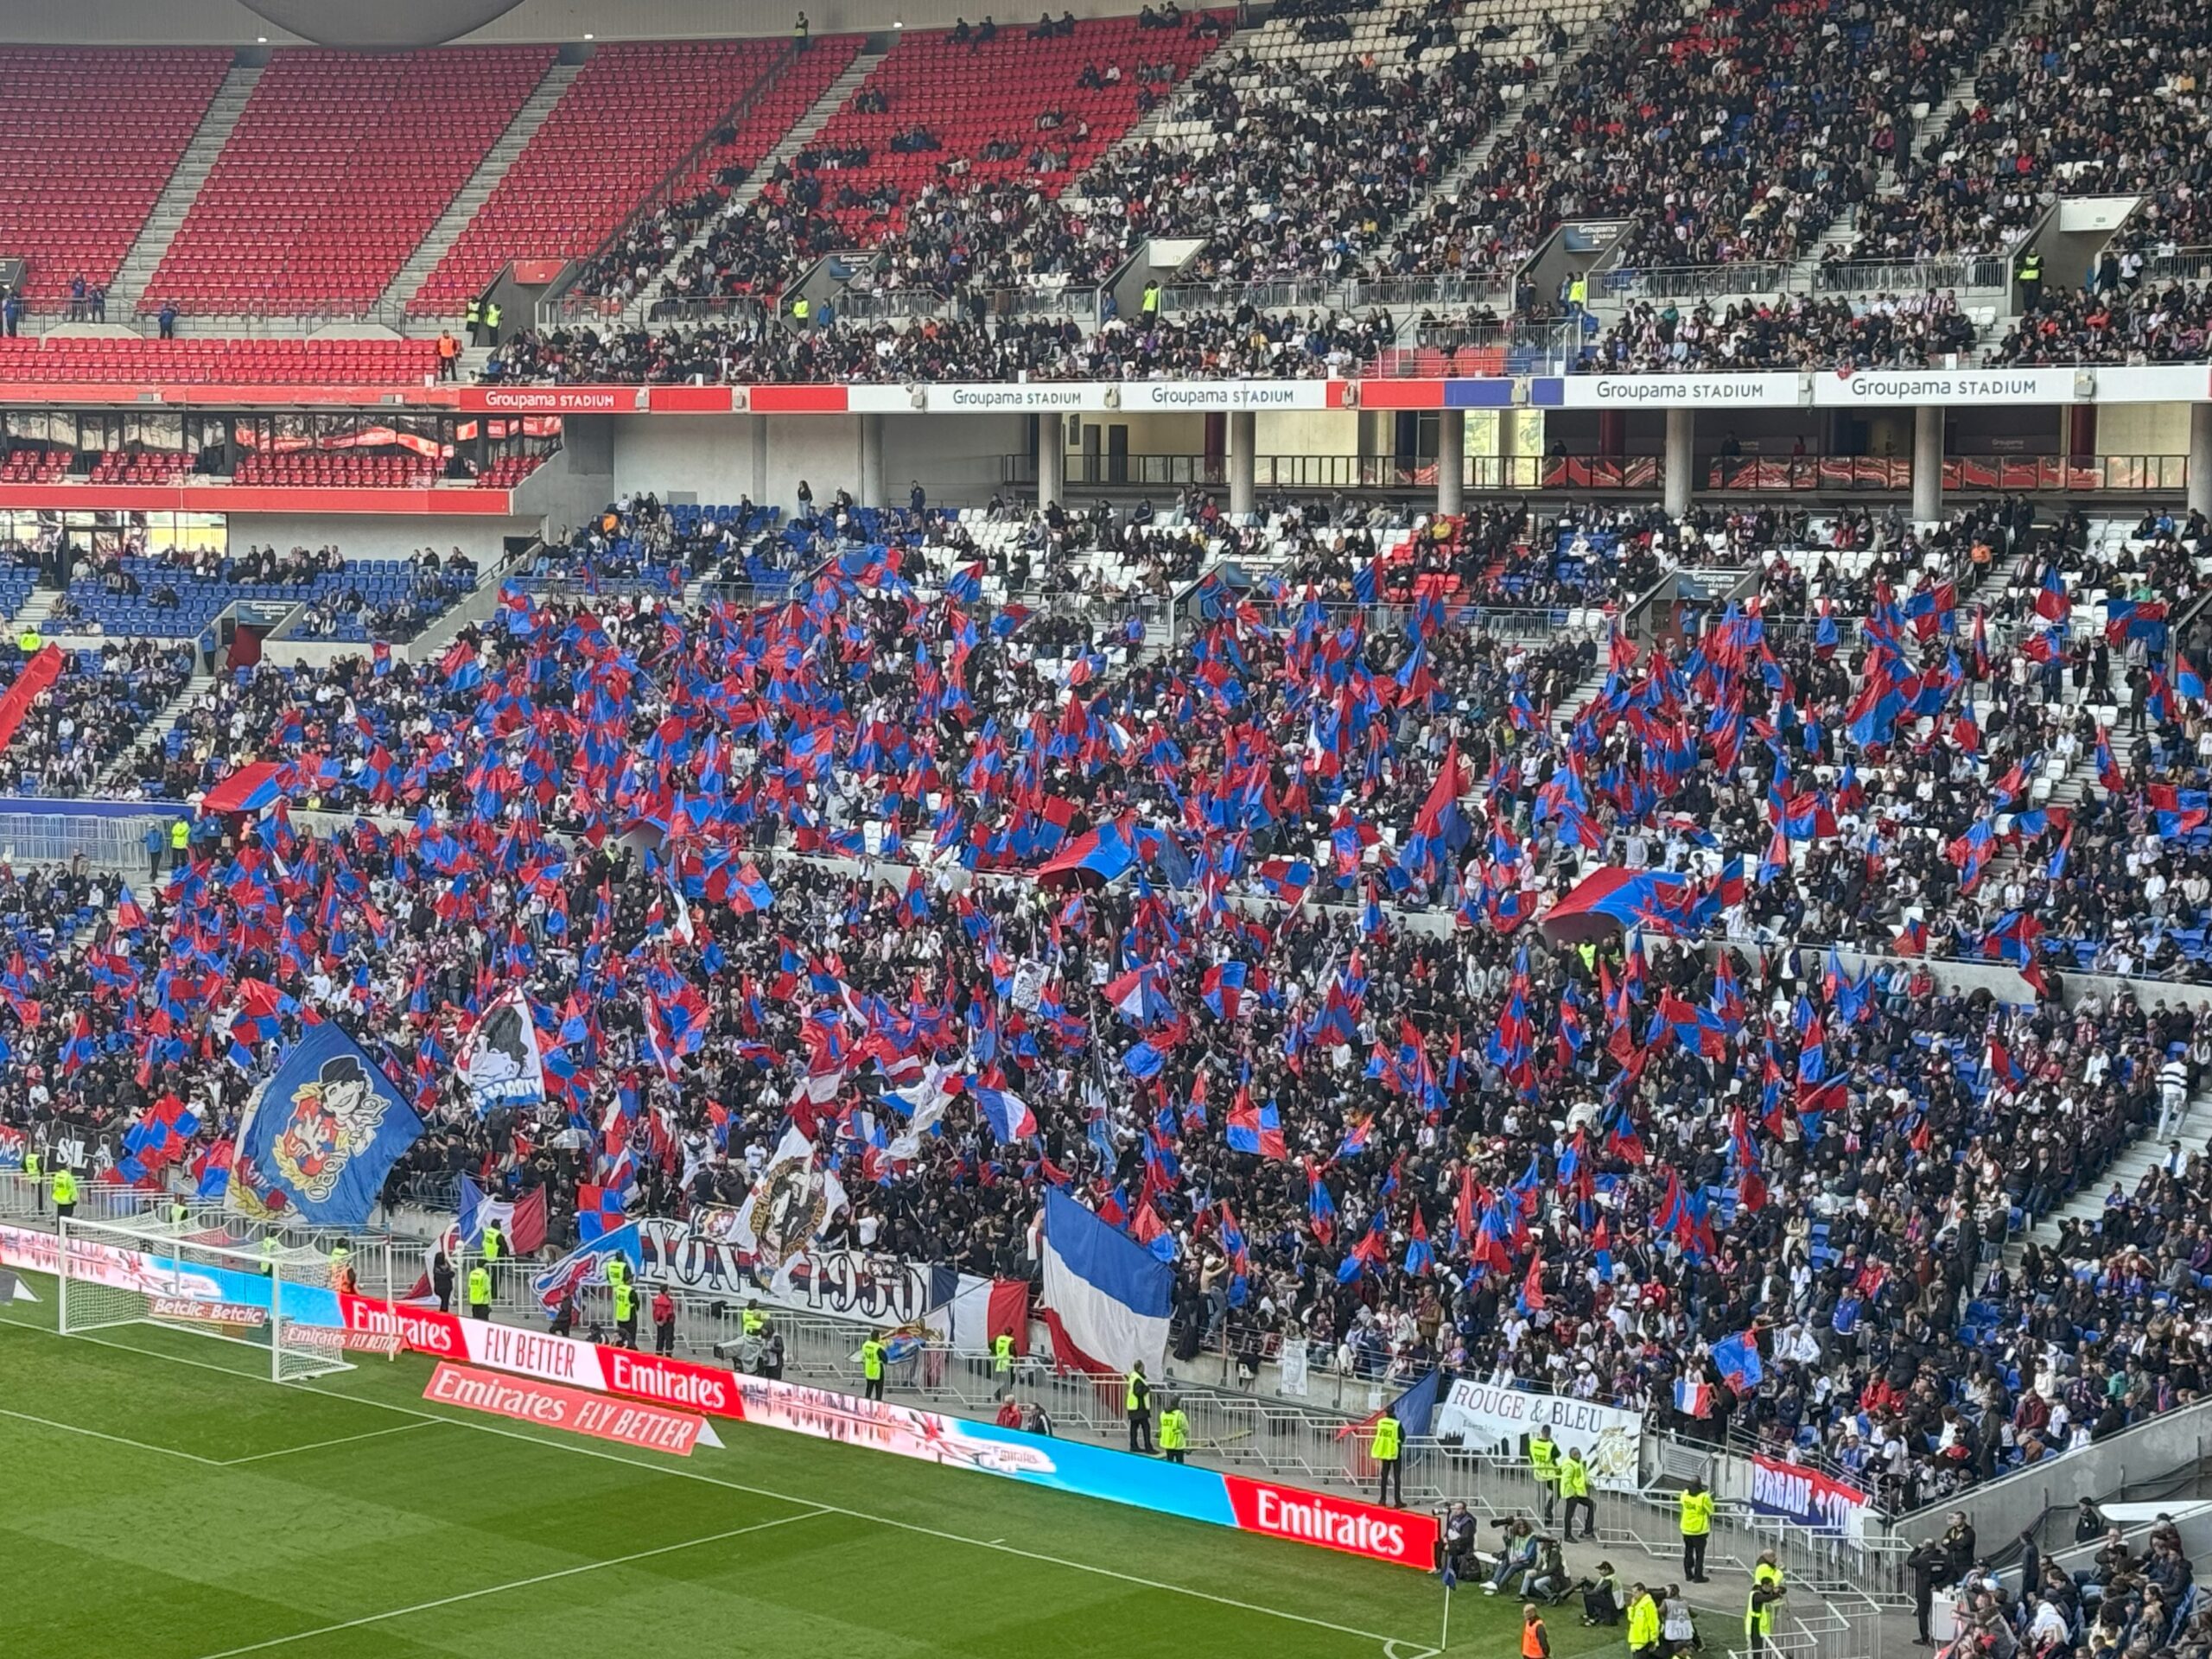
{"type": "Point", "coordinates": [318, 1138]}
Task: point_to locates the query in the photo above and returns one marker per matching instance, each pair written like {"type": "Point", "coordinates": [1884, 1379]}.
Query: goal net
{"type": "Point", "coordinates": [277, 1300]}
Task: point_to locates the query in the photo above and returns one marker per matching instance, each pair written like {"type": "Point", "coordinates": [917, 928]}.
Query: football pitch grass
{"type": "Point", "coordinates": [162, 1501]}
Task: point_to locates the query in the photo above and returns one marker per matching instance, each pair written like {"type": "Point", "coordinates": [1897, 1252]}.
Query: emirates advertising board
{"type": "Point", "coordinates": [476, 1348]}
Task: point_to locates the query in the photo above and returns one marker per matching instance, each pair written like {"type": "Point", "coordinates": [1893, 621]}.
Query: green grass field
{"type": "Point", "coordinates": [162, 1503]}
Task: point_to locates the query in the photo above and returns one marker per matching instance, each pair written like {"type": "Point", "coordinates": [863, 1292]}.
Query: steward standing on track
{"type": "Point", "coordinates": [872, 1366]}
{"type": "Point", "coordinates": [1174, 1430]}
{"type": "Point", "coordinates": [442, 1281]}
{"type": "Point", "coordinates": [65, 1191]}
{"type": "Point", "coordinates": [1697, 1527]}
{"type": "Point", "coordinates": [1543, 1463]}
{"type": "Point", "coordinates": [626, 1314]}
{"type": "Point", "coordinates": [1386, 1450]}
{"type": "Point", "coordinates": [479, 1293]}
{"type": "Point", "coordinates": [1137, 1402]}
{"type": "Point", "coordinates": [664, 1321]}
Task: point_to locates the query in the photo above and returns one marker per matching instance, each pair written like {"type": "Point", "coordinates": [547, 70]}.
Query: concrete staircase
{"type": "Point", "coordinates": [801, 135]}
{"type": "Point", "coordinates": [39, 606]}
{"type": "Point", "coordinates": [1456, 178]}
{"type": "Point", "coordinates": [473, 194]}
{"type": "Point", "coordinates": [192, 169]}
{"type": "Point", "coordinates": [2127, 1168]}
{"type": "Point", "coordinates": [152, 732]}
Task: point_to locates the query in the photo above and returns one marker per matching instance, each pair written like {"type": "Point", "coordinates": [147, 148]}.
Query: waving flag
{"type": "Point", "coordinates": [1256, 1129]}
{"type": "Point", "coordinates": [1009, 1118]}
{"type": "Point", "coordinates": [1106, 1297]}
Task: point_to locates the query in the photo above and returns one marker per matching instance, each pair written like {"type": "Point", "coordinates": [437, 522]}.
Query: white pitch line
{"type": "Point", "coordinates": [317, 1445]}
{"type": "Point", "coordinates": [118, 1439]}
{"type": "Point", "coordinates": [515, 1584]}
{"type": "Point", "coordinates": [741, 1486]}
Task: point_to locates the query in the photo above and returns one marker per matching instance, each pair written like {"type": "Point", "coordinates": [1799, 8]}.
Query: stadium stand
{"type": "Point", "coordinates": [127, 361]}
{"type": "Point", "coordinates": [176, 596]}
{"type": "Point", "coordinates": [35, 464]}
{"type": "Point", "coordinates": [634, 113]}
{"type": "Point", "coordinates": [338, 167]}
{"type": "Point", "coordinates": [140, 467]}
{"type": "Point", "coordinates": [350, 468]}
{"type": "Point", "coordinates": [87, 140]}
{"type": "Point", "coordinates": [734, 154]}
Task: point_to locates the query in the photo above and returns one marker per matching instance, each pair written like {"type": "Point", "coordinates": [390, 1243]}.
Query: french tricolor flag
{"type": "Point", "coordinates": [1008, 1116]}
{"type": "Point", "coordinates": [1106, 1297]}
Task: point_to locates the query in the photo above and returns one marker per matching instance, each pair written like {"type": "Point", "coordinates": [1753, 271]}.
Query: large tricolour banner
{"type": "Point", "coordinates": [1106, 1297]}
{"type": "Point", "coordinates": [1488, 1415]}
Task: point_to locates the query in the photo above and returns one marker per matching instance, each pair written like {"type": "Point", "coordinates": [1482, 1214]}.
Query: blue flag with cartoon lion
{"type": "Point", "coordinates": [317, 1139]}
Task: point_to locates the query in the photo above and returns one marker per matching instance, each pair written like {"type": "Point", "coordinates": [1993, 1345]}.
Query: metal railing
{"type": "Point", "coordinates": [1291, 292]}
{"type": "Point", "coordinates": [1976, 271]}
{"type": "Point", "coordinates": [1390, 292]}
{"type": "Point", "coordinates": [1505, 474]}
{"type": "Point", "coordinates": [106, 840]}
{"type": "Point", "coordinates": [2182, 265]}
{"type": "Point", "coordinates": [1697, 281]}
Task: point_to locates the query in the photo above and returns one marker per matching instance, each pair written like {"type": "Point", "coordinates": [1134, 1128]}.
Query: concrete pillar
{"type": "Point", "coordinates": [1451, 459]}
{"type": "Point", "coordinates": [1927, 463]}
{"type": "Point", "coordinates": [872, 462]}
{"type": "Point", "coordinates": [1052, 460]}
{"type": "Point", "coordinates": [2200, 458]}
{"type": "Point", "coordinates": [1681, 457]}
{"type": "Point", "coordinates": [761, 459]}
{"type": "Point", "coordinates": [1242, 435]}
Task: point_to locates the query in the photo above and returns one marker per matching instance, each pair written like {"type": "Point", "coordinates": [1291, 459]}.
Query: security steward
{"type": "Point", "coordinates": [33, 1173]}
{"type": "Point", "coordinates": [342, 1268]}
{"type": "Point", "coordinates": [479, 1293]}
{"type": "Point", "coordinates": [1759, 1606]}
{"type": "Point", "coordinates": [65, 1191]}
{"type": "Point", "coordinates": [1174, 1430]}
{"type": "Point", "coordinates": [1543, 1463]}
{"type": "Point", "coordinates": [495, 1246]}
{"type": "Point", "coordinates": [664, 1321]}
{"type": "Point", "coordinates": [1136, 1400]}
{"type": "Point", "coordinates": [179, 844]}
{"type": "Point", "coordinates": [626, 1314]}
{"type": "Point", "coordinates": [1697, 1527]}
{"type": "Point", "coordinates": [1574, 1489]}
{"type": "Point", "coordinates": [755, 1322]}
{"type": "Point", "coordinates": [1642, 1624]}
{"type": "Point", "coordinates": [1389, 1468]}
{"type": "Point", "coordinates": [872, 1351]}
{"type": "Point", "coordinates": [1002, 1354]}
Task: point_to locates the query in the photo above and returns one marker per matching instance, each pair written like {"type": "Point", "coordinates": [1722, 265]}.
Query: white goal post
{"type": "Point", "coordinates": [147, 1273]}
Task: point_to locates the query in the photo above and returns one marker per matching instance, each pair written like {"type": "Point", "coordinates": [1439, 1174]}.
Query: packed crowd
{"type": "Point", "coordinates": [2167, 322]}
{"type": "Point", "coordinates": [1886, 332]}
{"type": "Point", "coordinates": [2098, 98]}
{"type": "Point", "coordinates": [1295, 1029]}
{"type": "Point", "coordinates": [1726, 137]}
{"type": "Point", "coordinates": [96, 707]}
{"type": "Point", "coordinates": [1244, 342]}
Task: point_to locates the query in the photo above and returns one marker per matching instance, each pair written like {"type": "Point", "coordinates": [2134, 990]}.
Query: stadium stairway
{"type": "Point", "coordinates": [2128, 1166]}
{"type": "Point", "coordinates": [159, 727]}
{"type": "Point", "coordinates": [1457, 177]}
{"type": "Point", "coordinates": [801, 135]}
{"type": "Point", "coordinates": [472, 195]}
{"type": "Point", "coordinates": [34, 610]}
{"type": "Point", "coordinates": [175, 201]}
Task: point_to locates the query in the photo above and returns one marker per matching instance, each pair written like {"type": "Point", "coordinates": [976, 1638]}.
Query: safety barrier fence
{"type": "Point", "coordinates": [1237, 1432]}
{"type": "Point", "coordinates": [1984, 270]}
